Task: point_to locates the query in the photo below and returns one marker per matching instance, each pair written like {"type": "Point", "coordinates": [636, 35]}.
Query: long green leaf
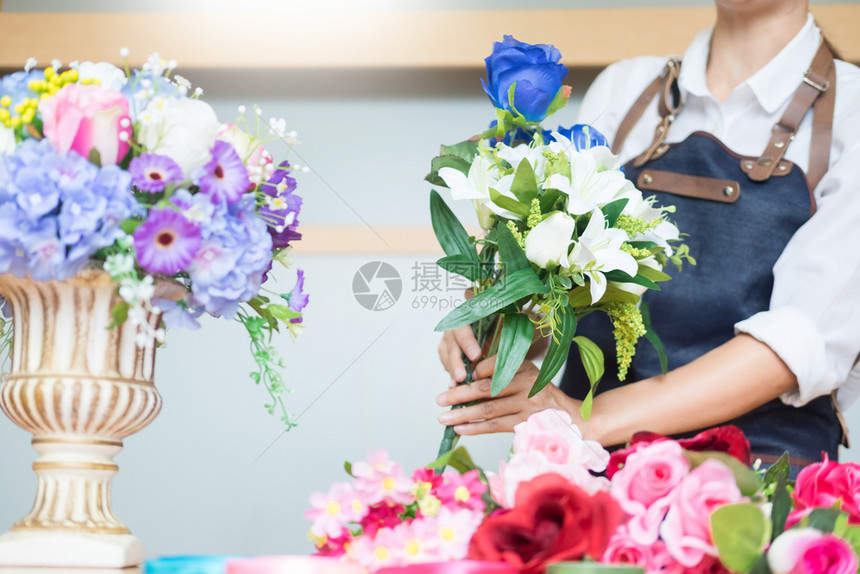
{"type": "Point", "coordinates": [508, 203]}
{"type": "Point", "coordinates": [613, 209]}
{"type": "Point", "coordinates": [782, 503]}
{"type": "Point", "coordinates": [450, 233]}
{"type": "Point", "coordinates": [653, 338]}
{"type": "Point", "coordinates": [592, 361]}
{"type": "Point", "coordinates": [580, 297]}
{"type": "Point", "coordinates": [559, 101]}
{"type": "Point", "coordinates": [559, 347]}
{"type": "Point", "coordinates": [524, 186]}
{"type": "Point", "coordinates": [652, 274]}
{"type": "Point", "coordinates": [515, 286]}
{"type": "Point", "coordinates": [460, 164]}
{"type": "Point", "coordinates": [516, 339]}
{"type": "Point", "coordinates": [466, 150]}
{"type": "Point", "coordinates": [512, 255]}
{"type": "Point", "coordinates": [463, 265]}
{"type": "Point", "coordinates": [622, 277]}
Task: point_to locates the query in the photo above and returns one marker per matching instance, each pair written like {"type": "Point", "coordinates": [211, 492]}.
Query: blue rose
{"type": "Point", "coordinates": [535, 69]}
{"type": "Point", "coordinates": [583, 136]}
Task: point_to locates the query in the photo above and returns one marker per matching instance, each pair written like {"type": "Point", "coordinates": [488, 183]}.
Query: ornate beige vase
{"type": "Point", "coordinates": [80, 389]}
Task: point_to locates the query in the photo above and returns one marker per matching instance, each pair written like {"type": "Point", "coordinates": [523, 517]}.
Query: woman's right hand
{"type": "Point", "coordinates": [454, 344]}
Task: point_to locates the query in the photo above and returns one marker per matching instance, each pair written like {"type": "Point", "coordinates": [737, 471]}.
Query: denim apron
{"type": "Point", "coordinates": [740, 213]}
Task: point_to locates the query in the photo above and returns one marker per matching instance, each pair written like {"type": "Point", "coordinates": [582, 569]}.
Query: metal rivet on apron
{"type": "Point", "coordinates": [782, 167]}
{"type": "Point", "coordinates": [749, 165]}
{"type": "Point", "coordinates": [765, 161]}
{"type": "Point", "coordinates": [647, 178]}
{"type": "Point", "coordinates": [779, 145]}
{"type": "Point", "coordinates": [728, 190]}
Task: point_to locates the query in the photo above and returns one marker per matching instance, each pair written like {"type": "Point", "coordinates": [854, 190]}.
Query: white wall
{"type": "Point", "coordinates": [192, 482]}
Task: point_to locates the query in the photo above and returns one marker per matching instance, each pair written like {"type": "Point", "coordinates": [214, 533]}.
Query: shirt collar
{"type": "Point", "coordinates": [773, 84]}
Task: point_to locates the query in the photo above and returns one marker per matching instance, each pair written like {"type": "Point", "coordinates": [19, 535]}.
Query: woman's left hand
{"type": "Point", "coordinates": [507, 409]}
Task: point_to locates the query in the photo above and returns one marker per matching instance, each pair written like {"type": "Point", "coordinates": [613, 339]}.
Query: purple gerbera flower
{"type": "Point", "coordinates": [166, 242]}
{"type": "Point", "coordinates": [151, 172]}
{"type": "Point", "coordinates": [225, 177]}
{"type": "Point", "coordinates": [281, 208]}
{"type": "Point", "coordinates": [297, 299]}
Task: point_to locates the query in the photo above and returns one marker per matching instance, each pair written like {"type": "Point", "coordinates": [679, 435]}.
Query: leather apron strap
{"type": "Point", "coordinates": [817, 90]}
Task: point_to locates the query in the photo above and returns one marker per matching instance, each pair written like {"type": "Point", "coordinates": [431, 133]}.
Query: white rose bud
{"type": "Point", "coordinates": [182, 129]}
{"type": "Point", "coordinates": [547, 244]}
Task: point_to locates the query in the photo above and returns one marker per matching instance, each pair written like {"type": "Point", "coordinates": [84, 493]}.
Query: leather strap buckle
{"type": "Point", "coordinates": [821, 87]}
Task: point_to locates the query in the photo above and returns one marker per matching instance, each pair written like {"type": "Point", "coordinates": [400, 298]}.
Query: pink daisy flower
{"type": "Point", "coordinates": [462, 491]}
{"type": "Point", "coordinates": [333, 510]}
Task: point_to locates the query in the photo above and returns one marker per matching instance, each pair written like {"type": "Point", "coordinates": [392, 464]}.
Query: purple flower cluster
{"type": "Point", "coordinates": [281, 208]}
{"type": "Point", "coordinates": [234, 255]}
{"type": "Point", "coordinates": [56, 210]}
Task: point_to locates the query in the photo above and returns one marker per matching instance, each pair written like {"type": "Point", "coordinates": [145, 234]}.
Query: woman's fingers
{"type": "Point", "coordinates": [483, 411]}
{"type": "Point", "coordinates": [465, 338]}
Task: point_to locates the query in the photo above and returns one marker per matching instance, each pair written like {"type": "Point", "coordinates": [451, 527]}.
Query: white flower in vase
{"type": "Point", "coordinates": [482, 176]}
{"type": "Point", "coordinates": [182, 129]}
{"type": "Point", "coordinates": [598, 251]}
{"type": "Point", "coordinates": [589, 186]}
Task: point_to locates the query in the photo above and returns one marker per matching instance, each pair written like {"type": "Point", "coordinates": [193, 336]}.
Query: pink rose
{"type": "Point", "coordinates": [644, 487]}
{"type": "Point", "coordinates": [524, 466]}
{"type": "Point", "coordinates": [824, 484]}
{"type": "Point", "coordinates": [687, 529]}
{"type": "Point", "coordinates": [552, 433]}
{"type": "Point", "coordinates": [257, 160]}
{"type": "Point", "coordinates": [84, 118]}
{"type": "Point", "coordinates": [622, 549]}
{"type": "Point", "coordinates": [808, 551]}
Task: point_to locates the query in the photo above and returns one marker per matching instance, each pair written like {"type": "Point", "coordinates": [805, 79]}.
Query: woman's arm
{"type": "Point", "coordinates": [717, 387]}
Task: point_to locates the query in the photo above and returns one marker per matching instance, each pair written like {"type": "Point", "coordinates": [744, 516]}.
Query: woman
{"type": "Point", "coordinates": [767, 326]}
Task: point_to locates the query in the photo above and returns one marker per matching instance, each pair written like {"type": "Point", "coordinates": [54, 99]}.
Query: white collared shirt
{"type": "Point", "coordinates": [813, 322]}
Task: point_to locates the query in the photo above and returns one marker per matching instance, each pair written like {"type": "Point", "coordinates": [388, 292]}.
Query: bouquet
{"type": "Point", "coordinates": [130, 171]}
{"type": "Point", "coordinates": [667, 506]}
{"type": "Point", "coordinates": [565, 234]}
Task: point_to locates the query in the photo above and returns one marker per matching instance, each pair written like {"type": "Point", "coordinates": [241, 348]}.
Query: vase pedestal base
{"type": "Point", "coordinates": [69, 549]}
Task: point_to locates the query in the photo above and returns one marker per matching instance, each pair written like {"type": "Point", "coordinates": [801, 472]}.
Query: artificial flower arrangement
{"type": "Point", "coordinates": [667, 506]}
{"type": "Point", "coordinates": [130, 171]}
{"type": "Point", "coordinates": [565, 233]}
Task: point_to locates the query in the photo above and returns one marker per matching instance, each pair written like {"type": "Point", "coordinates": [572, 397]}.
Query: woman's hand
{"type": "Point", "coordinates": [454, 344]}
{"type": "Point", "coordinates": [504, 411]}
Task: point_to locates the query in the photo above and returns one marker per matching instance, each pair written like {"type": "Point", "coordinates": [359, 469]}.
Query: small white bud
{"type": "Point", "coordinates": [125, 122]}
{"type": "Point", "coordinates": [198, 91]}
{"type": "Point", "coordinates": [74, 65]}
{"type": "Point", "coordinates": [123, 53]}
{"type": "Point", "coordinates": [123, 136]}
{"type": "Point", "coordinates": [171, 64]}
{"type": "Point", "coordinates": [31, 63]}
{"type": "Point", "coordinates": [241, 110]}
{"type": "Point", "coordinates": [56, 64]}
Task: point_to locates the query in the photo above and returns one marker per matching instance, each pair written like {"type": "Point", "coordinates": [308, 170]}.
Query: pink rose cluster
{"type": "Point", "coordinates": [827, 484]}
{"type": "Point", "coordinates": [384, 518]}
{"type": "Point", "coordinates": [668, 505]}
{"type": "Point", "coordinates": [549, 442]}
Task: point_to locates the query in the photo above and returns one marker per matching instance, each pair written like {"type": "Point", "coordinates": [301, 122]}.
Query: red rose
{"type": "Point", "coordinates": [824, 484]}
{"type": "Point", "coordinates": [552, 520]}
{"type": "Point", "coordinates": [728, 439]}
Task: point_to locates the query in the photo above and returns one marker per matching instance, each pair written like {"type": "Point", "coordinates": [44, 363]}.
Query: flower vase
{"type": "Point", "coordinates": [80, 388]}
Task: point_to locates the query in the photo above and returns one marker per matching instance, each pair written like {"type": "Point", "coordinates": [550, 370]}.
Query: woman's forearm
{"type": "Point", "coordinates": [725, 383]}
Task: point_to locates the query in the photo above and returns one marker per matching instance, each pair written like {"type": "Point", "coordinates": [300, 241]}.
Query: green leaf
{"type": "Point", "coordinates": [466, 150]}
{"type": "Point", "coordinates": [780, 469]}
{"type": "Point", "coordinates": [550, 200]}
{"type": "Point", "coordinates": [849, 533]}
{"type": "Point", "coordinates": [442, 460]}
{"type": "Point", "coordinates": [643, 244]}
{"type": "Point", "coordinates": [747, 480]}
{"type": "Point", "coordinates": [613, 209]}
{"type": "Point", "coordinates": [652, 337]}
{"type": "Point", "coordinates": [119, 313]}
{"type": "Point", "coordinates": [740, 533]}
{"type": "Point", "coordinates": [621, 277]}
{"type": "Point", "coordinates": [95, 157]}
{"type": "Point", "coordinates": [652, 274]}
{"type": "Point", "coordinates": [580, 297]}
{"type": "Point", "coordinates": [461, 461]}
{"type": "Point", "coordinates": [129, 225]}
{"type": "Point", "coordinates": [508, 203]}
{"type": "Point", "coordinates": [347, 466]}
{"type": "Point", "coordinates": [437, 163]}
{"type": "Point", "coordinates": [450, 233]}
{"type": "Point", "coordinates": [463, 265]}
{"type": "Point", "coordinates": [559, 101]}
{"type": "Point", "coordinates": [524, 186]}
{"type": "Point", "coordinates": [782, 503]}
{"type": "Point", "coordinates": [517, 285]}
{"type": "Point", "coordinates": [559, 346]}
{"type": "Point", "coordinates": [823, 519]}
{"type": "Point", "coordinates": [512, 255]}
{"type": "Point", "coordinates": [760, 566]}
{"type": "Point", "coordinates": [592, 361]}
{"type": "Point", "coordinates": [516, 339]}
{"type": "Point", "coordinates": [282, 312]}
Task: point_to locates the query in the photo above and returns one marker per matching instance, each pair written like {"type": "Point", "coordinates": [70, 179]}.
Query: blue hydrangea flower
{"type": "Point", "coordinates": [57, 210]}
{"type": "Point", "coordinates": [235, 252]}
{"type": "Point", "coordinates": [17, 85]}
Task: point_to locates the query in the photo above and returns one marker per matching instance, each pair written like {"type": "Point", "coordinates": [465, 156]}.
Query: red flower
{"type": "Point", "coordinates": [381, 516]}
{"type": "Point", "coordinates": [552, 520]}
{"type": "Point", "coordinates": [728, 439]}
{"type": "Point", "coordinates": [825, 484]}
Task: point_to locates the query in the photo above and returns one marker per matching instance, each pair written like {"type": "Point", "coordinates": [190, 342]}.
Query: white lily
{"type": "Point", "coordinates": [515, 156]}
{"type": "Point", "coordinates": [643, 208]}
{"type": "Point", "coordinates": [476, 186]}
{"type": "Point", "coordinates": [548, 243]}
{"type": "Point", "coordinates": [602, 155]}
{"type": "Point", "coordinates": [598, 251]}
{"type": "Point", "coordinates": [589, 186]}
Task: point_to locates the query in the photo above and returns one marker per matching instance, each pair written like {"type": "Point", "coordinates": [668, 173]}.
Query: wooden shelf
{"type": "Point", "coordinates": [588, 38]}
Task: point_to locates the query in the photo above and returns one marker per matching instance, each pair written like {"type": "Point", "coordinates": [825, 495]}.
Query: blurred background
{"type": "Point", "coordinates": [371, 93]}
